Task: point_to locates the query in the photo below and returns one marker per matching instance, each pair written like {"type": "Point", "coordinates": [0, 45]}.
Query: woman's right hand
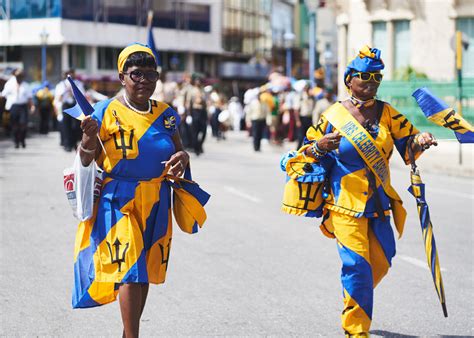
{"type": "Point", "coordinates": [330, 141]}
{"type": "Point", "coordinates": [90, 128]}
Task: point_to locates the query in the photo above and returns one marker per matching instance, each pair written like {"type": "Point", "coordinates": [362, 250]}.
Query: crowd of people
{"type": "Point", "coordinates": [280, 112]}
{"type": "Point", "coordinates": [276, 112]}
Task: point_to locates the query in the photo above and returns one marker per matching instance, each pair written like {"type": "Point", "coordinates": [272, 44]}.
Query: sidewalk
{"type": "Point", "coordinates": [444, 159]}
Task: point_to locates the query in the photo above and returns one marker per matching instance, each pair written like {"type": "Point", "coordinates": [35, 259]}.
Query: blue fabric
{"type": "Point", "coordinates": [384, 233]}
{"type": "Point", "coordinates": [356, 277]}
{"type": "Point", "coordinates": [80, 98]}
{"type": "Point", "coordinates": [428, 103]}
{"type": "Point", "coordinates": [365, 63]}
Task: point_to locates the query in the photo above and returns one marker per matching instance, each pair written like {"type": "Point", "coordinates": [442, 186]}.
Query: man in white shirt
{"type": "Point", "coordinates": [18, 101]}
{"type": "Point", "coordinates": [63, 99]}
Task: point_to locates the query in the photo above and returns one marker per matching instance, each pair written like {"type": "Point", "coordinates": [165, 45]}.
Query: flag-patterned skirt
{"type": "Point", "coordinates": [128, 240]}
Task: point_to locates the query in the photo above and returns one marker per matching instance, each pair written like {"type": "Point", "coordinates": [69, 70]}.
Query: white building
{"type": "Point", "coordinates": [88, 35]}
{"type": "Point", "coordinates": [418, 34]}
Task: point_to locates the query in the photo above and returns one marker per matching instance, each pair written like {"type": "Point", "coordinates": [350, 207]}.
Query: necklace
{"type": "Point", "coordinates": [142, 112]}
{"type": "Point", "coordinates": [362, 104]}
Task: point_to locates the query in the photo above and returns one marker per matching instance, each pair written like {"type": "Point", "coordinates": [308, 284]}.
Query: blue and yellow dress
{"type": "Point", "coordinates": [352, 208]}
{"type": "Point", "coordinates": [128, 239]}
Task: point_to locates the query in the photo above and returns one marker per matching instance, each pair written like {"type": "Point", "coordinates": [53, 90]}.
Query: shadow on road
{"type": "Point", "coordinates": [383, 333]}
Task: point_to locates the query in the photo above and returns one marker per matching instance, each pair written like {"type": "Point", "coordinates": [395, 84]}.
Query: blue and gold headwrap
{"type": "Point", "coordinates": [368, 60]}
{"type": "Point", "coordinates": [129, 50]}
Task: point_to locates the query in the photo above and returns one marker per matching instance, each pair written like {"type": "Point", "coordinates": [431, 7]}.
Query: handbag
{"type": "Point", "coordinates": [305, 185]}
{"type": "Point", "coordinates": [82, 186]}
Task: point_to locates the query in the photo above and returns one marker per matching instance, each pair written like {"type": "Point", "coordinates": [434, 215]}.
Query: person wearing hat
{"type": "Point", "coordinates": [354, 140]}
{"type": "Point", "coordinates": [126, 244]}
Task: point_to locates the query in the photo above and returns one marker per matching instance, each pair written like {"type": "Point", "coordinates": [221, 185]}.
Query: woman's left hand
{"type": "Point", "coordinates": [425, 140]}
{"type": "Point", "coordinates": [178, 163]}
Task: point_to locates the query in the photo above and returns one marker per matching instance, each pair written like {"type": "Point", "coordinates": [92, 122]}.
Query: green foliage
{"type": "Point", "coordinates": [409, 73]}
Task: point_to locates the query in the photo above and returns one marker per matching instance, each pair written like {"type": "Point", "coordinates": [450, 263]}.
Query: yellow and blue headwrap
{"type": "Point", "coordinates": [368, 60]}
{"type": "Point", "coordinates": [129, 50]}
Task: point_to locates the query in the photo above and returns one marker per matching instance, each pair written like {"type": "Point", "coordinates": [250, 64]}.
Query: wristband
{"type": "Point", "coordinates": [87, 151]}
{"type": "Point", "coordinates": [316, 151]}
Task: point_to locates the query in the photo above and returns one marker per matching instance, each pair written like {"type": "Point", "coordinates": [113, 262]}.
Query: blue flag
{"type": "Point", "coordinates": [151, 44]}
{"type": "Point", "coordinates": [82, 108]}
{"type": "Point", "coordinates": [438, 112]}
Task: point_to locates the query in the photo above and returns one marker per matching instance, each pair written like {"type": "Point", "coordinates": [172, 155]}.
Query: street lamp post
{"type": "Point", "coordinates": [289, 38]}
{"type": "Point", "coordinates": [44, 39]}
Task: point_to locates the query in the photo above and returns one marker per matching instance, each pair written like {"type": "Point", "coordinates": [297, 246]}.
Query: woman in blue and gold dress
{"type": "Point", "coordinates": [350, 149]}
{"type": "Point", "coordinates": [126, 244]}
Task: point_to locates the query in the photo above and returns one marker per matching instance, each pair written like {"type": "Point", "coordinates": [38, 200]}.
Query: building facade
{"type": "Point", "coordinates": [88, 35]}
{"type": "Point", "coordinates": [414, 36]}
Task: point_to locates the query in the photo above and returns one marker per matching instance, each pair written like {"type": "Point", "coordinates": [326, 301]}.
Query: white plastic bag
{"type": "Point", "coordinates": [82, 186]}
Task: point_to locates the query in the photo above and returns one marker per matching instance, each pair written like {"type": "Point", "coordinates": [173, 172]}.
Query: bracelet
{"type": "Point", "coordinates": [87, 151]}
{"type": "Point", "coordinates": [317, 149]}
{"type": "Point", "coordinates": [316, 152]}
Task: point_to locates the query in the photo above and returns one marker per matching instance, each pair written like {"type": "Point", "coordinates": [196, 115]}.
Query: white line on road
{"type": "Point", "coordinates": [416, 262]}
{"type": "Point", "coordinates": [450, 192]}
{"type": "Point", "coordinates": [242, 194]}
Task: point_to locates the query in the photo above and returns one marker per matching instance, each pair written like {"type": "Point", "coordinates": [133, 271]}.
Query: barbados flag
{"type": "Point", "coordinates": [151, 44]}
{"type": "Point", "coordinates": [82, 108]}
{"type": "Point", "coordinates": [441, 114]}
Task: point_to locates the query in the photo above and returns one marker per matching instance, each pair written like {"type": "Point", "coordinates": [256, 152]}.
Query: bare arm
{"type": "Point", "coordinates": [89, 148]}
{"type": "Point", "coordinates": [180, 159]}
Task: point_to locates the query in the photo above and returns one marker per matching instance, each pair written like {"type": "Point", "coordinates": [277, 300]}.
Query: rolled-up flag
{"type": "Point", "coordinates": [438, 112]}
{"type": "Point", "coordinates": [82, 108]}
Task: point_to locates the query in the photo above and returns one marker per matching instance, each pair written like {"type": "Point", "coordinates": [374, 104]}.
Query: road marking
{"type": "Point", "coordinates": [454, 193]}
{"type": "Point", "coordinates": [242, 194]}
{"type": "Point", "coordinates": [416, 262]}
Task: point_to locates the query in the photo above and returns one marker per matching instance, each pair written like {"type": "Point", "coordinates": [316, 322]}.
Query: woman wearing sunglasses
{"type": "Point", "coordinates": [126, 244]}
{"type": "Point", "coordinates": [354, 140]}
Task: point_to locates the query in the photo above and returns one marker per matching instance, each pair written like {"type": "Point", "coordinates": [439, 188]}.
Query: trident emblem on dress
{"type": "Point", "coordinates": [117, 258]}
{"type": "Point", "coordinates": [162, 249]}
{"type": "Point", "coordinates": [306, 195]}
{"type": "Point", "coordinates": [123, 146]}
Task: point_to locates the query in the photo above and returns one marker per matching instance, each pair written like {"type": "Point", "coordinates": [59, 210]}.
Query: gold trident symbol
{"type": "Point", "coordinates": [117, 260]}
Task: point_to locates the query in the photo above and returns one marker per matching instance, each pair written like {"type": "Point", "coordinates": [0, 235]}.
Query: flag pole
{"type": "Point", "coordinates": [101, 144]}
{"type": "Point", "coordinates": [459, 76]}
{"type": "Point", "coordinates": [149, 20]}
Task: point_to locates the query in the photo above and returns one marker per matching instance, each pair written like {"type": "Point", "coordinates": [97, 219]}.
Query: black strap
{"type": "Point", "coordinates": [371, 176]}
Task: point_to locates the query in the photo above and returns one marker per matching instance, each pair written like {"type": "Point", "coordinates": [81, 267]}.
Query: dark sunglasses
{"type": "Point", "coordinates": [138, 76]}
{"type": "Point", "coordinates": [366, 76]}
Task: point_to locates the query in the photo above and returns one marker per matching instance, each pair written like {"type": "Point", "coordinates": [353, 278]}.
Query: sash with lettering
{"type": "Point", "coordinates": [373, 157]}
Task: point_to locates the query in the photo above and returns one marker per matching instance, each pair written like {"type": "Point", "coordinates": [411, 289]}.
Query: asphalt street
{"type": "Point", "coordinates": [251, 271]}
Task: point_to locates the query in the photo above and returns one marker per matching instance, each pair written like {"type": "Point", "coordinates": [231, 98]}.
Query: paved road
{"type": "Point", "coordinates": [252, 271]}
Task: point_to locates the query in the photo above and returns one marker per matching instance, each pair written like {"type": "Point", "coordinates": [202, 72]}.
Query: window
{"type": "Point", "coordinates": [77, 56]}
{"type": "Point", "coordinates": [379, 36]}
{"type": "Point", "coordinates": [78, 10]}
{"type": "Point", "coordinates": [466, 26]}
{"type": "Point", "coordinates": [108, 57]}
{"type": "Point", "coordinates": [181, 15]}
{"type": "Point", "coordinates": [402, 43]}
{"type": "Point", "coordinates": [23, 9]}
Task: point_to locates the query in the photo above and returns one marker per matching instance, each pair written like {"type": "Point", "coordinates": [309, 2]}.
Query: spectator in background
{"type": "Point", "coordinates": [44, 102]}
{"type": "Point", "coordinates": [256, 118]}
{"type": "Point", "coordinates": [236, 112]}
{"type": "Point", "coordinates": [64, 99]}
{"type": "Point", "coordinates": [18, 102]}
{"type": "Point", "coordinates": [180, 102]}
{"type": "Point", "coordinates": [305, 105]}
{"type": "Point", "coordinates": [196, 104]}
{"type": "Point", "coordinates": [321, 105]}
